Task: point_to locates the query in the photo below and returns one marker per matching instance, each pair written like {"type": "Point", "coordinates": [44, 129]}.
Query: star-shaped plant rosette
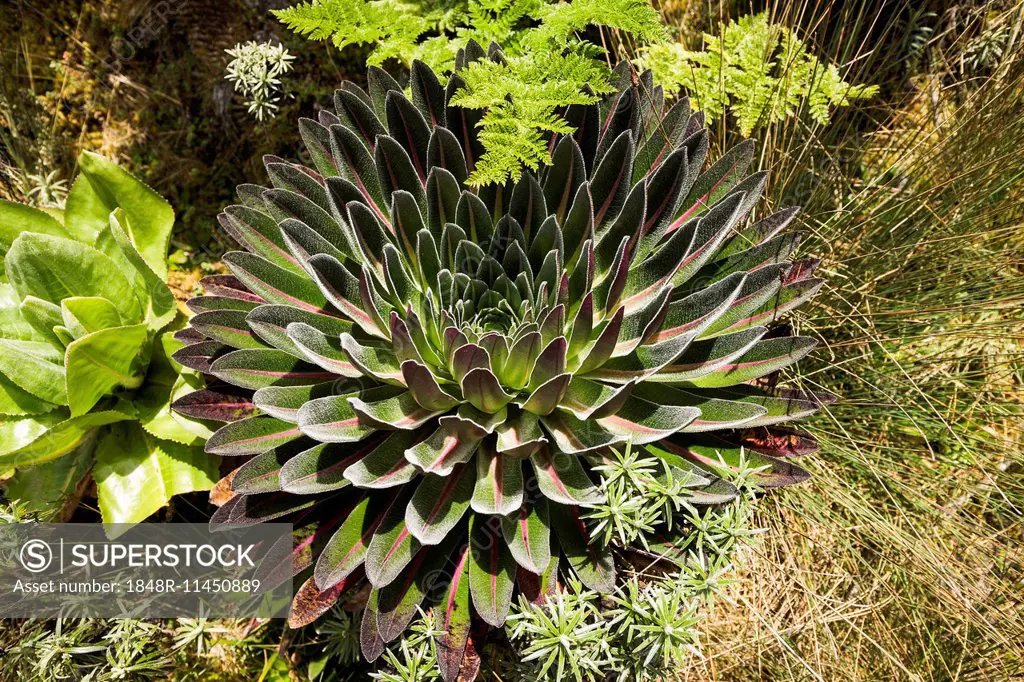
{"type": "Point", "coordinates": [422, 374]}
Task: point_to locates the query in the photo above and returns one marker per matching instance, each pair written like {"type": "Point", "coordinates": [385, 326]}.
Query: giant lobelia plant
{"type": "Point", "coordinates": [424, 374]}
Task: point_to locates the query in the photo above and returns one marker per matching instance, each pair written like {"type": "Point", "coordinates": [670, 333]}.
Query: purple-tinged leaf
{"type": "Point", "coordinates": [284, 402]}
{"type": "Point", "coordinates": [521, 358]}
{"type": "Point", "coordinates": [716, 182]}
{"type": "Point", "coordinates": [572, 435]}
{"type": "Point", "coordinates": [701, 358]}
{"type": "Point", "coordinates": [585, 398]}
{"type": "Point", "coordinates": [375, 361]}
{"type": "Point", "coordinates": [548, 395]}
{"type": "Point", "coordinates": [251, 436]}
{"type": "Point", "coordinates": [257, 368]}
{"type": "Point", "coordinates": [398, 412]}
{"type": "Point", "coordinates": [454, 442]}
{"type": "Point", "coordinates": [564, 177]}
{"type": "Point", "coordinates": [454, 619]}
{"type": "Point", "coordinates": [395, 170]}
{"type": "Point", "coordinates": [562, 479]}
{"type": "Point", "coordinates": [342, 289]}
{"type": "Point", "coordinates": [427, 94]}
{"type": "Point", "coordinates": [392, 546]}
{"type": "Point", "coordinates": [310, 602]}
{"type": "Point", "coordinates": [550, 363]}
{"type": "Point", "coordinates": [370, 641]}
{"type": "Point", "coordinates": [228, 286]}
{"type": "Point", "coordinates": [399, 601]}
{"type": "Point", "coordinates": [482, 390]}
{"type": "Point", "coordinates": [407, 126]}
{"type": "Point", "coordinates": [224, 403]}
{"type": "Point", "coordinates": [499, 483]}
{"type": "Point", "coordinates": [359, 170]}
{"type": "Point", "coordinates": [332, 420]}
{"type": "Point", "coordinates": [322, 350]}
{"type": "Point", "coordinates": [257, 233]}
{"type": "Point", "coordinates": [271, 322]}
{"type": "Point", "coordinates": [492, 570]}
{"type": "Point", "coordinates": [261, 473]}
{"type": "Point", "coordinates": [386, 466]}
{"type": "Point", "coordinates": [254, 509]}
{"type": "Point", "coordinates": [528, 535]}
{"type": "Point", "coordinates": [642, 421]}
{"type": "Point", "coordinates": [720, 458]}
{"type": "Point", "coordinates": [765, 357]}
{"type": "Point", "coordinates": [425, 389]}
{"type": "Point", "coordinates": [358, 116]}
{"type": "Point", "coordinates": [203, 304]}
{"type": "Point", "coordinates": [611, 182]}
{"type": "Point", "coordinates": [298, 556]}
{"type": "Point", "coordinates": [439, 503]}
{"type": "Point", "coordinates": [200, 356]}
{"type": "Point", "coordinates": [592, 563]}
{"type": "Point", "coordinates": [520, 435]}
{"type": "Point", "coordinates": [443, 151]}
{"type": "Point", "coordinates": [321, 468]}
{"type": "Point", "coordinates": [603, 347]}
{"type": "Point", "coordinates": [346, 550]}
{"type": "Point", "coordinates": [274, 284]}
{"type": "Point", "coordinates": [715, 413]}
{"type": "Point", "coordinates": [318, 144]}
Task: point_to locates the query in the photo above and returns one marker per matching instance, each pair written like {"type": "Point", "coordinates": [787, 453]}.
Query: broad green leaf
{"type": "Point", "coordinates": [16, 401]}
{"type": "Point", "coordinates": [101, 361]}
{"type": "Point", "coordinates": [157, 296]}
{"type": "Point", "coordinates": [83, 315]}
{"type": "Point", "coordinates": [13, 324]}
{"type": "Point", "coordinates": [45, 320]}
{"type": "Point", "coordinates": [57, 438]}
{"type": "Point", "coordinates": [154, 400]}
{"type": "Point", "coordinates": [137, 474]}
{"type": "Point", "coordinates": [17, 218]}
{"type": "Point", "coordinates": [150, 217]}
{"type": "Point", "coordinates": [34, 366]}
{"type": "Point", "coordinates": [53, 488]}
{"type": "Point", "coordinates": [17, 432]}
{"type": "Point", "coordinates": [54, 268]}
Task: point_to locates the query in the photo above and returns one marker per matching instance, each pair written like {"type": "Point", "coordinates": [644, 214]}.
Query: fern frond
{"type": "Point", "coordinates": [559, 21]}
{"type": "Point", "coordinates": [520, 97]}
{"type": "Point", "coordinates": [760, 72]}
{"type": "Point", "coordinates": [547, 66]}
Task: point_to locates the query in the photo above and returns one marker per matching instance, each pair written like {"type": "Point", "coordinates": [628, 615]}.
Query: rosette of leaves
{"type": "Point", "coordinates": [85, 375]}
{"type": "Point", "coordinates": [423, 374]}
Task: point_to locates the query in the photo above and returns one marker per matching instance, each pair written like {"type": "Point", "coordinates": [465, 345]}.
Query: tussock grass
{"type": "Point", "coordinates": [904, 560]}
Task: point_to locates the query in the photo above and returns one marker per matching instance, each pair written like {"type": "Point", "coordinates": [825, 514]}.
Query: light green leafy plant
{"type": "Point", "coordinates": [545, 65]}
{"type": "Point", "coordinates": [85, 370]}
{"type": "Point", "coordinates": [255, 70]}
{"type": "Point", "coordinates": [759, 72]}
